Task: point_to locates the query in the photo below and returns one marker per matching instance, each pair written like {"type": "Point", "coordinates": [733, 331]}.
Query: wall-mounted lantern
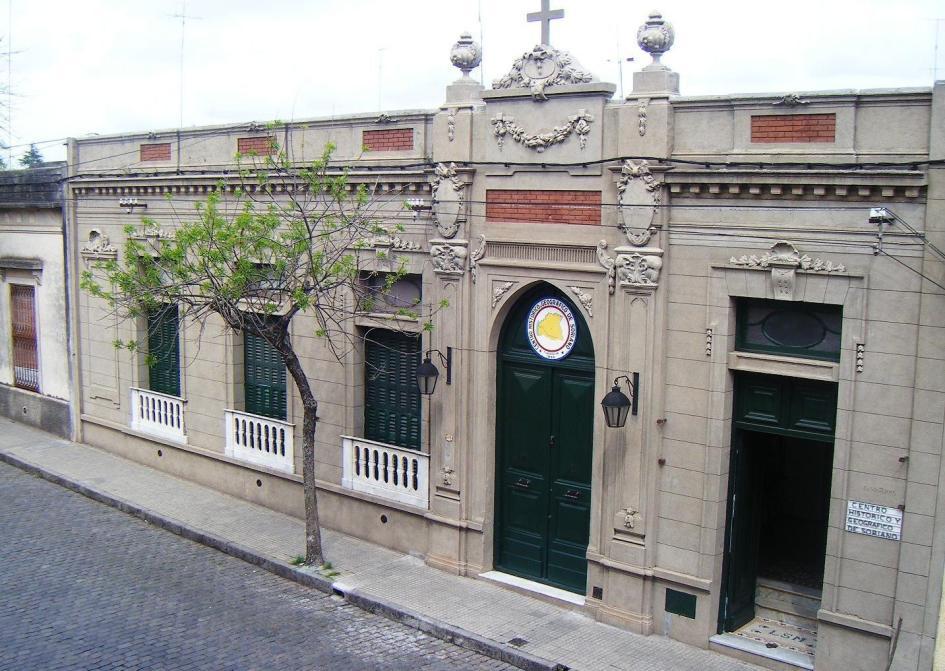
{"type": "Point", "coordinates": [428, 374]}
{"type": "Point", "coordinates": [617, 406]}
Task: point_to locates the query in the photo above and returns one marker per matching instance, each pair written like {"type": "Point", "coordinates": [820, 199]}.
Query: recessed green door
{"type": "Point", "coordinates": [544, 440]}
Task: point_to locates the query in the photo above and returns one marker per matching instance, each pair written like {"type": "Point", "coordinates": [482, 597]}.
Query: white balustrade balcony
{"type": "Point", "coordinates": [260, 440]}
{"type": "Point", "coordinates": [386, 471]}
{"type": "Point", "coordinates": [160, 415]}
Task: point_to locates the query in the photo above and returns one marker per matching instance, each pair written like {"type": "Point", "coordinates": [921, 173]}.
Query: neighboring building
{"type": "Point", "coordinates": [779, 484]}
{"type": "Point", "coordinates": [35, 366]}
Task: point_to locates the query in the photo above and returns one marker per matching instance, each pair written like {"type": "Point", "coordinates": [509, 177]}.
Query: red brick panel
{"type": "Point", "coordinates": [389, 139]}
{"type": "Point", "coordinates": [543, 207]}
{"type": "Point", "coordinates": [794, 128]}
{"type": "Point", "coordinates": [261, 145]}
{"type": "Point", "coordinates": [155, 152]}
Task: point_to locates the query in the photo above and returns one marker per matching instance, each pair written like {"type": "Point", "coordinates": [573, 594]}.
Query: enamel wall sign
{"type": "Point", "coordinates": [551, 329]}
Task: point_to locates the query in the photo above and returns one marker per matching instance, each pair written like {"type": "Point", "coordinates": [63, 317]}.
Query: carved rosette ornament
{"type": "Point", "coordinates": [638, 200]}
{"type": "Point", "coordinates": [783, 260]}
{"type": "Point", "coordinates": [466, 54]}
{"type": "Point", "coordinates": [656, 37]}
{"type": "Point", "coordinates": [449, 199]}
{"type": "Point", "coordinates": [579, 124]}
{"type": "Point", "coordinates": [447, 257]}
{"type": "Point", "coordinates": [542, 67]}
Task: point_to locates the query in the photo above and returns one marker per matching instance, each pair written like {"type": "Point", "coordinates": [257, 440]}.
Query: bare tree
{"type": "Point", "coordinates": [278, 242]}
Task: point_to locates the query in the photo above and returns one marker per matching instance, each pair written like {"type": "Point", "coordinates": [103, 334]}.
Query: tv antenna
{"type": "Point", "coordinates": [183, 16]}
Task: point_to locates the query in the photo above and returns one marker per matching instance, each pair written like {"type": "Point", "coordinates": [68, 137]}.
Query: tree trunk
{"type": "Point", "coordinates": [313, 533]}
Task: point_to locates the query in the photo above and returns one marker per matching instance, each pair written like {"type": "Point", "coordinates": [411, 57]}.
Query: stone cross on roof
{"type": "Point", "coordinates": [546, 15]}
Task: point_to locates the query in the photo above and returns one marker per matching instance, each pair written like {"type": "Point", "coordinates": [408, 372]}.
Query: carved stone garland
{"type": "Point", "coordinates": [783, 260]}
{"type": "Point", "coordinates": [641, 108]}
{"type": "Point", "coordinates": [578, 124]}
{"type": "Point", "coordinates": [639, 198]}
{"type": "Point", "coordinates": [542, 67]}
{"type": "Point", "coordinates": [449, 199]}
{"type": "Point", "coordinates": [451, 124]}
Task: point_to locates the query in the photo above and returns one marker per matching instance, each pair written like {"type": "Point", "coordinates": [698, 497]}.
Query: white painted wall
{"type": "Point", "coordinates": [37, 234]}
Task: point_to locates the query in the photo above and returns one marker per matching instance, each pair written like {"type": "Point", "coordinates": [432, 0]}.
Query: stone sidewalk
{"type": "Point", "coordinates": [473, 613]}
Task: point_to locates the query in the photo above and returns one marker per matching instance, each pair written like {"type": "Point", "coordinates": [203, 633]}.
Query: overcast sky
{"type": "Point", "coordinates": [108, 66]}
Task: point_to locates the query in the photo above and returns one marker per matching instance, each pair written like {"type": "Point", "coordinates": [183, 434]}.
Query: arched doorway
{"type": "Point", "coordinates": [544, 441]}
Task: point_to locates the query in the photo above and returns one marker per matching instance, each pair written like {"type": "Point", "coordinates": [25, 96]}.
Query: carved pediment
{"type": "Point", "coordinates": [542, 67]}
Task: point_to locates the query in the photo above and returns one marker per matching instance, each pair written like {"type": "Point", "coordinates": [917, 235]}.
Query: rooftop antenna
{"type": "Point", "coordinates": [183, 16]}
{"type": "Point", "coordinates": [620, 61]}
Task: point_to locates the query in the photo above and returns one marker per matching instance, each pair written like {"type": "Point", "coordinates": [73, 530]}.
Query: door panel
{"type": "Point", "coordinates": [744, 526]}
{"type": "Point", "coordinates": [526, 393]}
{"type": "Point", "coordinates": [570, 459]}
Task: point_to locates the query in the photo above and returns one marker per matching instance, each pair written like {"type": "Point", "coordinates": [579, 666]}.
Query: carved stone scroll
{"type": "Point", "coordinates": [476, 257]}
{"type": "Point", "coordinates": [609, 264]}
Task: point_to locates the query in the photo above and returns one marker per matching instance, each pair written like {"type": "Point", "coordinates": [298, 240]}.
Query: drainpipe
{"type": "Point", "coordinates": [70, 243]}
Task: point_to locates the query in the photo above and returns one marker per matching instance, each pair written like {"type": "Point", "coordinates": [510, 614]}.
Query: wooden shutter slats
{"type": "Point", "coordinates": [392, 399]}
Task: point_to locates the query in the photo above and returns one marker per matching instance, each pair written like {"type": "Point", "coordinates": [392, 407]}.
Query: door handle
{"type": "Point", "coordinates": [572, 494]}
{"type": "Point", "coordinates": [551, 441]}
{"type": "Point", "coordinates": [522, 482]}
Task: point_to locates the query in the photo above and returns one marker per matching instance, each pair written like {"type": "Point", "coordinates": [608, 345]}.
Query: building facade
{"type": "Point", "coordinates": [760, 273]}
{"type": "Point", "coordinates": [35, 365]}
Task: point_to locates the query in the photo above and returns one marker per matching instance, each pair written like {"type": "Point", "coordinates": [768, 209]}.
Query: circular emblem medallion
{"type": "Point", "coordinates": [551, 329]}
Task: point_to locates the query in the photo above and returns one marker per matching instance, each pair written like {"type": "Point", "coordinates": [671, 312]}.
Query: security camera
{"type": "Point", "coordinates": [880, 215]}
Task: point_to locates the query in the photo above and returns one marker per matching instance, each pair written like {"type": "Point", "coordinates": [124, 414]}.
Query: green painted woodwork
{"type": "Point", "coordinates": [391, 397]}
{"type": "Point", "coordinates": [792, 329]}
{"type": "Point", "coordinates": [785, 405]}
{"type": "Point", "coordinates": [164, 350]}
{"type": "Point", "coordinates": [265, 375]}
{"type": "Point", "coordinates": [779, 477]}
{"type": "Point", "coordinates": [544, 438]}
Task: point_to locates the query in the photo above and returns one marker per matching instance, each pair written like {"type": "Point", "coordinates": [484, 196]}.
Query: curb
{"type": "Point", "coordinates": [435, 628]}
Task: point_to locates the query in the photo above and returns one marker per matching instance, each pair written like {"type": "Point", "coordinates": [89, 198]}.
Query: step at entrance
{"type": "Point", "coordinates": [785, 601]}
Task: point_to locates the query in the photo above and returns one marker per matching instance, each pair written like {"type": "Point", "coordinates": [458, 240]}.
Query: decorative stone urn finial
{"type": "Point", "coordinates": [466, 54]}
{"type": "Point", "coordinates": [655, 37]}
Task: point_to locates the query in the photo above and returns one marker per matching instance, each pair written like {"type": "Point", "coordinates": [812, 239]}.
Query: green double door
{"type": "Point", "coordinates": [544, 439]}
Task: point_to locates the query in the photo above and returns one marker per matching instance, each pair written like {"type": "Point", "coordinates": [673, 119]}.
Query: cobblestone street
{"type": "Point", "coordinates": [83, 586]}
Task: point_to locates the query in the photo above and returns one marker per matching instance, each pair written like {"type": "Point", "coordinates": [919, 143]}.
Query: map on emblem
{"type": "Point", "coordinates": [551, 329]}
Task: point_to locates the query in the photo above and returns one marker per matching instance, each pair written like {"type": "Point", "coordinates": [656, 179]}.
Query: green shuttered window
{"type": "Point", "coordinates": [164, 350]}
{"type": "Point", "coordinates": [392, 399]}
{"type": "Point", "coordinates": [265, 378]}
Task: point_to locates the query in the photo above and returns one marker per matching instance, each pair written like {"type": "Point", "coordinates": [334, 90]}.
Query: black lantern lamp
{"type": "Point", "coordinates": [617, 406]}
{"type": "Point", "coordinates": [427, 373]}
